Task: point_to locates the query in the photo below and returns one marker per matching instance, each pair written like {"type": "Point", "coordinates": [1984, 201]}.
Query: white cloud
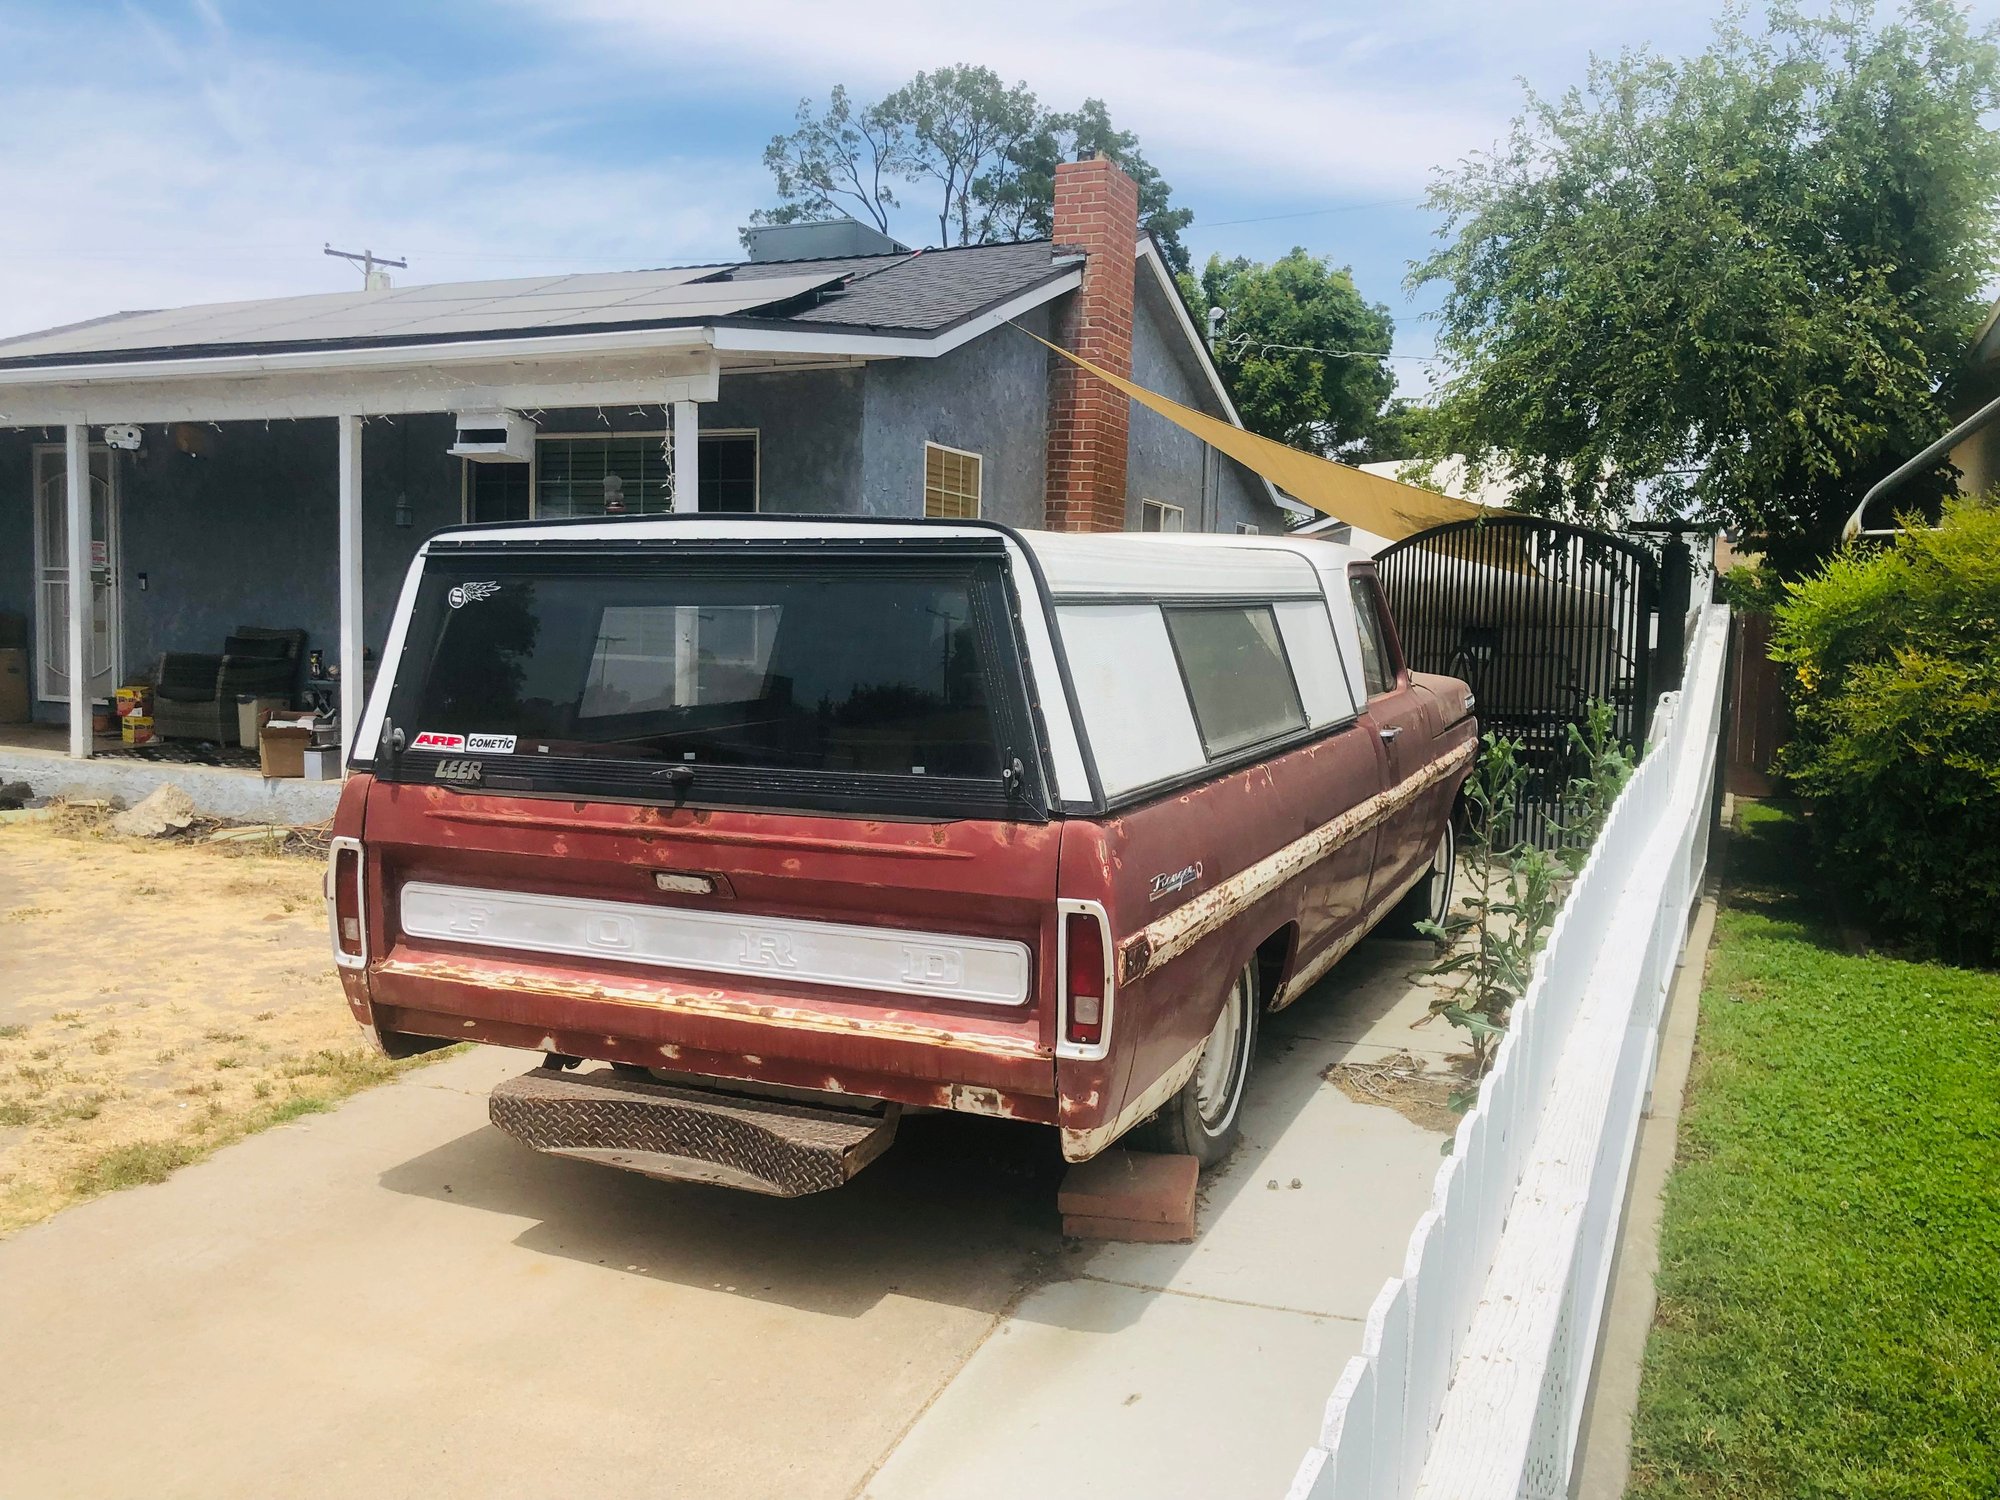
{"type": "Point", "coordinates": [185, 164]}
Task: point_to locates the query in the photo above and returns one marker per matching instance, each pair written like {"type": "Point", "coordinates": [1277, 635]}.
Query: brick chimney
{"type": "Point", "coordinates": [1096, 212]}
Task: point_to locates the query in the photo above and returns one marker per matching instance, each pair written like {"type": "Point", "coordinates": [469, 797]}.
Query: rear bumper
{"type": "Point", "coordinates": [698, 1028]}
{"type": "Point", "coordinates": [689, 1135]}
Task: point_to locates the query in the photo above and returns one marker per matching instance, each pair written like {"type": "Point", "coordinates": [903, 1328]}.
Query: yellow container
{"type": "Point", "coordinates": [136, 729]}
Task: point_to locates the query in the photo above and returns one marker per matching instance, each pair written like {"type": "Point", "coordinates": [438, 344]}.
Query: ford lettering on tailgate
{"type": "Point", "coordinates": [987, 971]}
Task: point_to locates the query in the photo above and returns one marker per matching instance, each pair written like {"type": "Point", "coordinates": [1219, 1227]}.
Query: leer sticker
{"type": "Point", "coordinates": [430, 740]}
{"type": "Point", "coordinates": [490, 744]}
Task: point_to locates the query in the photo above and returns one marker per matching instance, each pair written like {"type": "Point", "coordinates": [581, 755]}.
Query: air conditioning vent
{"type": "Point", "coordinates": [494, 437]}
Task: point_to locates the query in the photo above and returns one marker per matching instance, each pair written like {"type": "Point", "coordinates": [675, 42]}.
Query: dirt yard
{"type": "Point", "coordinates": [158, 1000]}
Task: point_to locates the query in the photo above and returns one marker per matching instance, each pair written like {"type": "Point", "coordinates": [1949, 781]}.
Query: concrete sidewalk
{"type": "Point", "coordinates": [1203, 1369]}
{"type": "Point", "coordinates": [395, 1300]}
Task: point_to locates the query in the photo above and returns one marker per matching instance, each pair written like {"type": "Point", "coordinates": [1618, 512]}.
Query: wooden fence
{"type": "Point", "coordinates": [1475, 1361]}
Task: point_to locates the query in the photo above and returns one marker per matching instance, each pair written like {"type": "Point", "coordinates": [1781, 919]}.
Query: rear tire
{"type": "Point", "coordinates": [1429, 900]}
{"type": "Point", "coordinates": [1204, 1119]}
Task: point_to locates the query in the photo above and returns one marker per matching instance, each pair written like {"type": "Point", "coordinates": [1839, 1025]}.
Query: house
{"type": "Point", "coordinates": [276, 463]}
{"type": "Point", "coordinates": [1971, 448]}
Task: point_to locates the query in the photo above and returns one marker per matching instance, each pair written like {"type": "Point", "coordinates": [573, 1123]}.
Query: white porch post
{"type": "Point", "coordinates": [76, 439]}
{"type": "Point", "coordinates": [352, 676]}
{"type": "Point", "coordinates": [687, 457]}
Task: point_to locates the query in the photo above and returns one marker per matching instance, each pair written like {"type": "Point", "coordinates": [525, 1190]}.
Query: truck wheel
{"type": "Point", "coordinates": [1429, 900]}
{"type": "Point", "coordinates": [1203, 1119]}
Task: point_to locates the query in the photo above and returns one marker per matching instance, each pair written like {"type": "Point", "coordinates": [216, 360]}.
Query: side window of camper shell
{"type": "Point", "coordinates": [1169, 690]}
{"type": "Point", "coordinates": [1238, 679]}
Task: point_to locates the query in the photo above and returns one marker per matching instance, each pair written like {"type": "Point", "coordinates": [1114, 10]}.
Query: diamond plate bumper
{"type": "Point", "coordinates": [689, 1135]}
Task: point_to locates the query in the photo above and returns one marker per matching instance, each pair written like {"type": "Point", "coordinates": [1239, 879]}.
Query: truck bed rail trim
{"type": "Point", "coordinates": [1180, 929]}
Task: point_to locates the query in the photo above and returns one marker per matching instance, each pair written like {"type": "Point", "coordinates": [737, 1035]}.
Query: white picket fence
{"type": "Point", "coordinates": [1475, 1361]}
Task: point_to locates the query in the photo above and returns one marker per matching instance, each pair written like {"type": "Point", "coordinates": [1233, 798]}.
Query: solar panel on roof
{"type": "Point", "coordinates": [529, 304]}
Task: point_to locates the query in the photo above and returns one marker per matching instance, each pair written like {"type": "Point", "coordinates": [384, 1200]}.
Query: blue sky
{"type": "Point", "coordinates": [169, 153]}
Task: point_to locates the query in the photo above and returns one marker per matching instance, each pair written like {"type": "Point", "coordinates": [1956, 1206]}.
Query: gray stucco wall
{"type": "Point", "coordinates": [989, 396]}
{"type": "Point", "coordinates": [17, 527]}
{"type": "Point", "coordinates": [1165, 462]}
{"type": "Point", "coordinates": [245, 533]}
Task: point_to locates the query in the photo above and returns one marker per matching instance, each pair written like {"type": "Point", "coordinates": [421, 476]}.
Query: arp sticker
{"type": "Point", "coordinates": [490, 744]}
{"type": "Point", "coordinates": [470, 593]}
{"type": "Point", "coordinates": [431, 740]}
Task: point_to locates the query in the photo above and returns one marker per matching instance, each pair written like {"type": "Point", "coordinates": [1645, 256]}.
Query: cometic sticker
{"type": "Point", "coordinates": [427, 740]}
{"type": "Point", "coordinates": [490, 744]}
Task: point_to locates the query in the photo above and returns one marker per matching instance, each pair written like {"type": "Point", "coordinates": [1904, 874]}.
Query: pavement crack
{"type": "Point", "coordinates": [1171, 1291]}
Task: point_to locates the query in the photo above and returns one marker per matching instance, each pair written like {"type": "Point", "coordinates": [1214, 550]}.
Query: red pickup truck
{"type": "Point", "coordinates": [799, 823]}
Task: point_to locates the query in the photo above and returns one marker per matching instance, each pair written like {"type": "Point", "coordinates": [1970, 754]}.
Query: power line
{"type": "Point", "coordinates": [1307, 213]}
{"type": "Point", "coordinates": [1242, 344]}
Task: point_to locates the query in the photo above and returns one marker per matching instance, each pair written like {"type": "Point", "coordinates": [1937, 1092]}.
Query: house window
{"type": "Point", "coordinates": [1157, 515]}
{"type": "Point", "coordinates": [1247, 528]}
{"type": "Point", "coordinates": [498, 492]}
{"type": "Point", "coordinates": [614, 474]}
{"type": "Point", "coordinates": [1238, 679]}
{"type": "Point", "coordinates": [951, 483]}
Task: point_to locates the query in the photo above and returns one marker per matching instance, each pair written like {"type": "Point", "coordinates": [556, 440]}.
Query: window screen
{"type": "Point", "coordinates": [951, 484]}
{"type": "Point", "coordinates": [1376, 671]}
{"type": "Point", "coordinates": [1237, 676]}
{"type": "Point", "coordinates": [595, 476]}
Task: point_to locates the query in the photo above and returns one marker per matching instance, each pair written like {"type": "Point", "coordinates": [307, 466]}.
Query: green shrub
{"type": "Point", "coordinates": [1895, 690]}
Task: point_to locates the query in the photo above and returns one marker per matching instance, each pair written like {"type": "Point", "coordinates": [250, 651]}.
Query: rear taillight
{"type": "Point", "coordinates": [343, 903]}
{"type": "Point", "coordinates": [1086, 979]}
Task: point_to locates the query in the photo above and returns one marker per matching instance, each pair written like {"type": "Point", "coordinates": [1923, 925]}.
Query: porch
{"type": "Point", "coordinates": [39, 754]}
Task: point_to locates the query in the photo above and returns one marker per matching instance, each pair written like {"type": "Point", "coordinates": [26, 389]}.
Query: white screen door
{"type": "Point", "coordinates": [102, 634]}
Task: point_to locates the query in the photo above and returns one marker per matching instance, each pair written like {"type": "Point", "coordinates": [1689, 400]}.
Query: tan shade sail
{"type": "Point", "coordinates": [1362, 500]}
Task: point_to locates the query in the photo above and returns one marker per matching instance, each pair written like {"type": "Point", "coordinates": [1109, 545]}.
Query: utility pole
{"type": "Point", "coordinates": [373, 278]}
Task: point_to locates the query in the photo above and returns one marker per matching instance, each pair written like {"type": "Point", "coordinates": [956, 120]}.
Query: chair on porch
{"type": "Point", "coordinates": [195, 692]}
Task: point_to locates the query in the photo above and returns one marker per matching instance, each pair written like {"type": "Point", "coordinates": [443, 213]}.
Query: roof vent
{"type": "Point", "coordinates": [828, 241]}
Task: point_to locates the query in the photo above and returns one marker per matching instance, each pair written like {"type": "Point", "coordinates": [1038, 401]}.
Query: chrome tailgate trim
{"type": "Point", "coordinates": [984, 971]}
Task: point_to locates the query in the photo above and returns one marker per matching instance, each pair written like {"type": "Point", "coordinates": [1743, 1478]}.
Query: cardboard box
{"type": "Point", "coordinates": [281, 746]}
{"type": "Point", "coordinates": [136, 729]}
{"type": "Point", "coordinates": [13, 685]}
{"type": "Point", "coordinates": [251, 716]}
{"type": "Point", "coordinates": [135, 698]}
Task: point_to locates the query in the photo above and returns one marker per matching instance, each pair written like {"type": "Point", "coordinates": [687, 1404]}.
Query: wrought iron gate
{"type": "Point", "coordinates": [1542, 618]}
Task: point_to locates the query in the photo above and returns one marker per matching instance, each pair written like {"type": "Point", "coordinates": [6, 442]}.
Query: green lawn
{"type": "Point", "coordinates": [1829, 1318]}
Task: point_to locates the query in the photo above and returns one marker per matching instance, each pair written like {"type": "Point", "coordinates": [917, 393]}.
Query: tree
{"type": "Point", "coordinates": [967, 130]}
{"type": "Point", "coordinates": [1078, 136]}
{"type": "Point", "coordinates": [1299, 348]}
{"type": "Point", "coordinates": [988, 150]}
{"type": "Point", "coordinates": [835, 159]}
{"type": "Point", "coordinates": [1732, 286]}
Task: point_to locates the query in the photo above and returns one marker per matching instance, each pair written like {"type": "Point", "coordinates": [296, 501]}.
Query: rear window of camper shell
{"type": "Point", "coordinates": [843, 683]}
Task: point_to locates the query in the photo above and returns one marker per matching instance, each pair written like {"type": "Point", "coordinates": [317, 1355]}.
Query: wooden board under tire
{"type": "Point", "coordinates": [690, 1135]}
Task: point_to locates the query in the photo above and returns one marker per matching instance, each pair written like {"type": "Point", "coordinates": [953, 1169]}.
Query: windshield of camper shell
{"type": "Point", "coordinates": [816, 666]}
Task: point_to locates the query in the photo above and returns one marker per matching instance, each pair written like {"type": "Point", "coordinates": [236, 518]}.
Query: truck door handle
{"type": "Point", "coordinates": [1391, 732]}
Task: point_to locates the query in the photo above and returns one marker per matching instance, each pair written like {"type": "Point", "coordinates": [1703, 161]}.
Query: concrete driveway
{"type": "Point", "coordinates": [396, 1300]}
